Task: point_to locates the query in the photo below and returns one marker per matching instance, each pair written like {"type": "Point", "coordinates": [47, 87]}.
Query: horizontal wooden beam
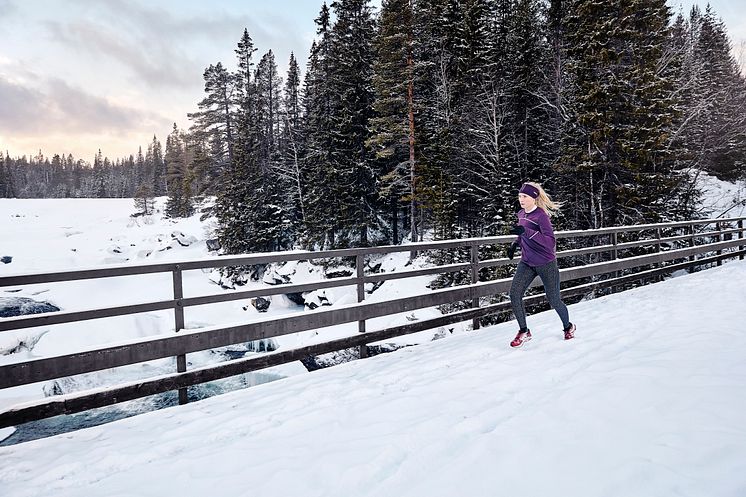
{"type": "Point", "coordinates": [50, 318]}
{"type": "Point", "coordinates": [411, 273]}
{"type": "Point", "coordinates": [270, 290]}
{"type": "Point", "coordinates": [269, 257]}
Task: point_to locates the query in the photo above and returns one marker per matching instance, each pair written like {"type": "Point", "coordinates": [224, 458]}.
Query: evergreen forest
{"type": "Point", "coordinates": [423, 118]}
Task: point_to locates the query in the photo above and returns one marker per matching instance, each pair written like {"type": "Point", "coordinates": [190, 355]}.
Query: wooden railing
{"type": "Point", "coordinates": [686, 244]}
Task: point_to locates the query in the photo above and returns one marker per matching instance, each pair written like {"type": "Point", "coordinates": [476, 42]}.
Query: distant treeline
{"type": "Point", "coordinates": [64, 176]}
{"type": "Point", "coordinates": [430, 114]}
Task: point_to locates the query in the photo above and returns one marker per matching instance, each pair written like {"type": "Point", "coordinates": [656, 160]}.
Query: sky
{"type": "Point", "coordinates": [79, 75]}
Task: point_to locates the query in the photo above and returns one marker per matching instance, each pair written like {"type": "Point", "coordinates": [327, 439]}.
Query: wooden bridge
{"type": "Point", "coordinates": [606, 258]}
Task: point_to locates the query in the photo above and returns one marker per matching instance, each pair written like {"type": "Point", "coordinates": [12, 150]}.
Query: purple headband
{"type": "Point", "coordinates": [529, 190]}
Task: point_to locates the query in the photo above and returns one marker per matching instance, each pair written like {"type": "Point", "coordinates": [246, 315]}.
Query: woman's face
{"type": "Point", "coordinates": [527, 201]}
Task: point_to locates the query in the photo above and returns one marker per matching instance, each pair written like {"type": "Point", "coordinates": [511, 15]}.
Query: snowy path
{"type": "Point", "coordinates": [647, 401]}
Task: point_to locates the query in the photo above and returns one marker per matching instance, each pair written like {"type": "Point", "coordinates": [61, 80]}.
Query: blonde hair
{"type": "Point", "coordinates": [544, 201]}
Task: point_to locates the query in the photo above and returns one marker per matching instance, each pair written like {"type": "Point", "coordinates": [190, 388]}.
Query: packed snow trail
{"type": "Point", "coordinates": [648, 400]}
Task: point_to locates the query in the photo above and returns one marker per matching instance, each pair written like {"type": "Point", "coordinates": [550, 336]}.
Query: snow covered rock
{"type": "Point", "coordinates": [183, 239]}
{"type": "Point", "coordinates": [273, 277]}
{"type": "Point", "coordinates": [213, 245]}
{"type": "Point", "coordinates": [20, 306]}
{"type": "Point", "coordinates": [316, 299]}
{"type": "Point", "coordinates": [6, 259]}
{"type": "Point", "coordinates": [339, 273]}
{"type": "Point", "coordinates": [261, 304]}
{"type": "Point", "coordinates": [296, 298]}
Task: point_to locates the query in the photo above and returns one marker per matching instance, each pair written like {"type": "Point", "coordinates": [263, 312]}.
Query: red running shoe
{"type": "Point", "coordinates": [570, 332]}
{"type": "Point", "coordinates": [521, 338]}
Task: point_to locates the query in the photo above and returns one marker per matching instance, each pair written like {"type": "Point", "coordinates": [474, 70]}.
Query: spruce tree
{"type": "Point", "coordinates": [393, 127]}
{"type": "Point", "coordinates": [718, 133]}
{"type": "Point", "coordinates": [178, 176]}
{"type": "Point", "coordinates": [435, 32]}
{"type": "Point", "coordinates": [155, 167]}
{"type": "Point", "coordinates": [266, 199]}
{"type": "Point", "coordinates": [290, 148]}
{"type": "Point", "coordinates": [6, 178]}
{"type": "Point", "coordinates": [617, 157]}
{"type": "Point", "coordinates": [144, 200]}
{"type": "Point", "coordinates": [321, 204]}
{"type": "Point", "coordinates": [231, 207]}
{"type": "Point", "coordinates": [246, 209]}
{"type": "Point", "coordinates": [268, 99]}
{"type": "Point", "coordinates": [351, 63]}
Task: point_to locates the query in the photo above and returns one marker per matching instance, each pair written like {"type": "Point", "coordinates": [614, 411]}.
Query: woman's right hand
{"type": "Point", "coordinates": [511, 250]}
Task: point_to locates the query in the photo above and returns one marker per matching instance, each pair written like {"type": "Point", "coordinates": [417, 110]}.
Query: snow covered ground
{"type": "Point", "coordinates": [647, 400]}
{"type": "Point", "coordinates": [721, 198]}
{"type": "Point", "coordinates": [52, 235]}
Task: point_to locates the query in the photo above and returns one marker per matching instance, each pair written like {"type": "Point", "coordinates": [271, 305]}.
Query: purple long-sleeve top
{"type": "Point", "coordinates": [537, 242]}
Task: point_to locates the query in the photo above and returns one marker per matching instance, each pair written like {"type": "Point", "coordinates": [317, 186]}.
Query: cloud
{"type": "Point", "coordinates": [61, 108]}
{"type": "Point", "coordinates": [157, 65]}
{"type": "Point", "coordinates": [167, 50]}
{"type": "Point", "coordinates": [153, 43]}
{"type": "Point", "coordinates": [7, 8]}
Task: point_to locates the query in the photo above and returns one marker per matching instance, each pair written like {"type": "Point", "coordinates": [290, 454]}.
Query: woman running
{"type": "Point", "coordinates": [538, 258]}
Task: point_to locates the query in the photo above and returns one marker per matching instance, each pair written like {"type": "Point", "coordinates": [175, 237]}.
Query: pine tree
{"type": "Point", "coordinates": [289, 169]}
{"type": "Point", "coordinates": [321, 205]}
{"type": "Point", "coordinates": [99, 176]}
{"type": "Point", "coordinates": [351, 63]}
{"type": "Point", "coordinates": [6, 178]}
{"type": "Point", "coordinates": [435, 32]}
{"type": "Point", "coordinates": [617, 158]}
{"type": "Point", "coordinates": [155, 167]}
{"type": "Point", "coordinates": [144, 200]}
{"type": "Point", "coordinates": [216, 113]}
{"type": "Point", "coordinates": [178, 176]}
{"type": "Point", "coordinates": [393, 127]}
{"type": "Point", "coordinates": [718, 136]}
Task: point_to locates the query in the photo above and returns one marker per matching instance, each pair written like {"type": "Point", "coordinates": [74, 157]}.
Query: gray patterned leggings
{"type": "Point", "coordinates": [549, 274]}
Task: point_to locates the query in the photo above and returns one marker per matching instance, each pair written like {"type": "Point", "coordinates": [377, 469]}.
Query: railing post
{"type": "Point", "coordinates": [474, 280]}
{"type": "Point", "coordinates": [178, 326]}
{"type": "Point", "coordinates": [691, 240]}
{"type": "Point", "coordinates": [740, 236]}
{"type": "Point", "coordinates": [658, 236]}
{"type": "Point", "coordinates": [360, 272]}
{"type": "Point", "coordinates": [615, 256]}
{"type": "Point", "coordinates": [720, 239]}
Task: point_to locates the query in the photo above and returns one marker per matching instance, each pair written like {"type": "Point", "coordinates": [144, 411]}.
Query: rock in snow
{"type": "Point", "coordinates": [261, 304]}
{"type": "Point", "coordinates": [20, 306]}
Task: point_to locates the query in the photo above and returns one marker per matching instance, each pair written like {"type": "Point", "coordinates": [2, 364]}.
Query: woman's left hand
{"type": "Point", "coordinates": [517, 229]}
